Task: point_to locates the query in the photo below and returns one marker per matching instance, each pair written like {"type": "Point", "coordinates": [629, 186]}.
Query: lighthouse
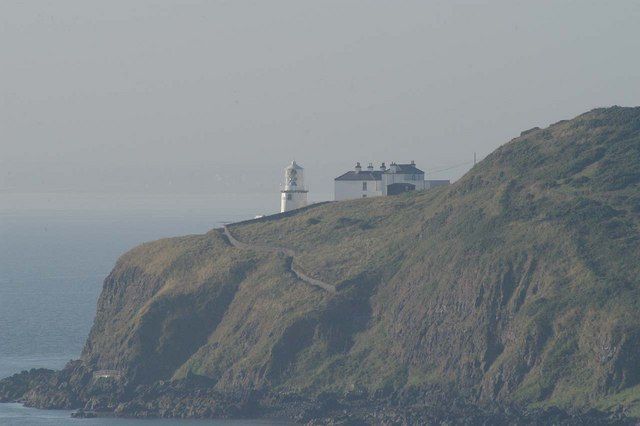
{"type": "Point", "coordinates": [294, 194]}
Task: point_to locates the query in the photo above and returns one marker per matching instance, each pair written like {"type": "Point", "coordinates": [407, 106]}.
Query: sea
{"type": "Point", "coordinates": [55, 251]}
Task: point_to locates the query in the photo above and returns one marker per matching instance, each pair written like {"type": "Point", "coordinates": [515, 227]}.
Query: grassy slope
{"type": "Point", "coordinates": [519, 281]}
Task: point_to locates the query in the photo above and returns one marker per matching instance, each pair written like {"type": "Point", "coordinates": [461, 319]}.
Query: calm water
{"type": "Point", "coordinates": [55, 250]}
{"type": "Point", "coordinates": [17, 415]}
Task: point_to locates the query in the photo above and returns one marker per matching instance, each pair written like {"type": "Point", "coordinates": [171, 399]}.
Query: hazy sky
{"type": "Point", "coordinates": [218, 96]}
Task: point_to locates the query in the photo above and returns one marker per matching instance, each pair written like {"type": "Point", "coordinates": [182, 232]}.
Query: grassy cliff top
{"type": "Point", "coordinates": [518, 282]}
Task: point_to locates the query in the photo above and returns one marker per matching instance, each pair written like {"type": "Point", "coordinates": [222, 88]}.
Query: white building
{"type": "Point", "coordinates": [294, 194]}
{"type": "Point", "coordinates": [397, 178]}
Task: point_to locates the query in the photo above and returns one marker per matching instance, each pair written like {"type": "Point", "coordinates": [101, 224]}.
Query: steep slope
{"type": "Point", "coordinates": [521, 281]}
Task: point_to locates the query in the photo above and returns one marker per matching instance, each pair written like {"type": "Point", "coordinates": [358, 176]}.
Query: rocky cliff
{"type": "Point", "coordinates": [520, 283]}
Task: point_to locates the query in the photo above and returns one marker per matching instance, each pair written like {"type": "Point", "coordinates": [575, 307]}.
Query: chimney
{"type": "Point", "coordinates": [370, 167]}
{"type": "Point", "coordinates": [383, 167]}
{"type": "Point", "coordinates": [393, 167]}
{"type": "Point", "coordinates": [358, 168]}
{"type": "Point", "coordinates": [413, 163]}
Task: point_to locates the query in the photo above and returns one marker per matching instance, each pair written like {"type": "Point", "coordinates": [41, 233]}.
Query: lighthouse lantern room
{"type": "Point", "coordinates": [294, 194]}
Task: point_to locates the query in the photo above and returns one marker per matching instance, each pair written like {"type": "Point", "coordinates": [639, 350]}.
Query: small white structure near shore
{"type": "Point", "coordinates": [108, 374]}
{"type": "Point", "coordinates": [398, 178]}
{"type": "Point", "coordinates": [294, 194]}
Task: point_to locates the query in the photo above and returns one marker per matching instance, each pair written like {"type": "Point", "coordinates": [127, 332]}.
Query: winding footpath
{"type": "Point", "coordinates": [284, 251]}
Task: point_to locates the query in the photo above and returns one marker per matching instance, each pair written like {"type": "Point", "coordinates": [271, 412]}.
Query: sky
{"type": "Point", "coordinates": [125, 96]}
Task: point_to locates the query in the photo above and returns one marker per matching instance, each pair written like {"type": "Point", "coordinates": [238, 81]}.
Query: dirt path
{"type": "Point", "coordinates": [280, 250]}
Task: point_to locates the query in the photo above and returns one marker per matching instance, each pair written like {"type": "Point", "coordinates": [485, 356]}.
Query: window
{"type": "Point", "coordinates": [364, 186]}
{"type": "Point", "coordinates": [364, 195]}
{"type": "Point", "coordinates": [288, 196]}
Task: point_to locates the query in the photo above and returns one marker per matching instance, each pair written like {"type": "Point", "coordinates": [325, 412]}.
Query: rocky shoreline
{"type": "Point", "coordinates": [195, 397]}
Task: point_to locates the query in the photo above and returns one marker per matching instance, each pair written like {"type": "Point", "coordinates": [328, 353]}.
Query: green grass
{"type": "Point", "coordinates": [518, 282]}
{"type": "Point", "coordinates": [628, 398]}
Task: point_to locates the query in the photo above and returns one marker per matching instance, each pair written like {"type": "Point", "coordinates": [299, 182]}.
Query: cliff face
{"type": "Point", "coordinates": [521, 281]}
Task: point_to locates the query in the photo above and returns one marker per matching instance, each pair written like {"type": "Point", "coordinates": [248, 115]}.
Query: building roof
{"type": "Point", "coordinates": [367, 174]}
{"type": "Point", "coordinates": [294, 165]}
{"type": "Point", "coordinates": [361, 175]}
{"type": "Point", "coordinates": [406, 169]}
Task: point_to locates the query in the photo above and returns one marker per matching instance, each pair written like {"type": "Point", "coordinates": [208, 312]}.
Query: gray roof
{"type": "Point", "coordinates": [406, 169]}
{"type": "Point", "coordinates": [294, 165]}
{"type": "Point", "coordinates": [362, 175]}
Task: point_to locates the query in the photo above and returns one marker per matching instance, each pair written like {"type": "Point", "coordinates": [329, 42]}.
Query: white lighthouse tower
{"type": "Point", "coordinates": [294, 194]}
